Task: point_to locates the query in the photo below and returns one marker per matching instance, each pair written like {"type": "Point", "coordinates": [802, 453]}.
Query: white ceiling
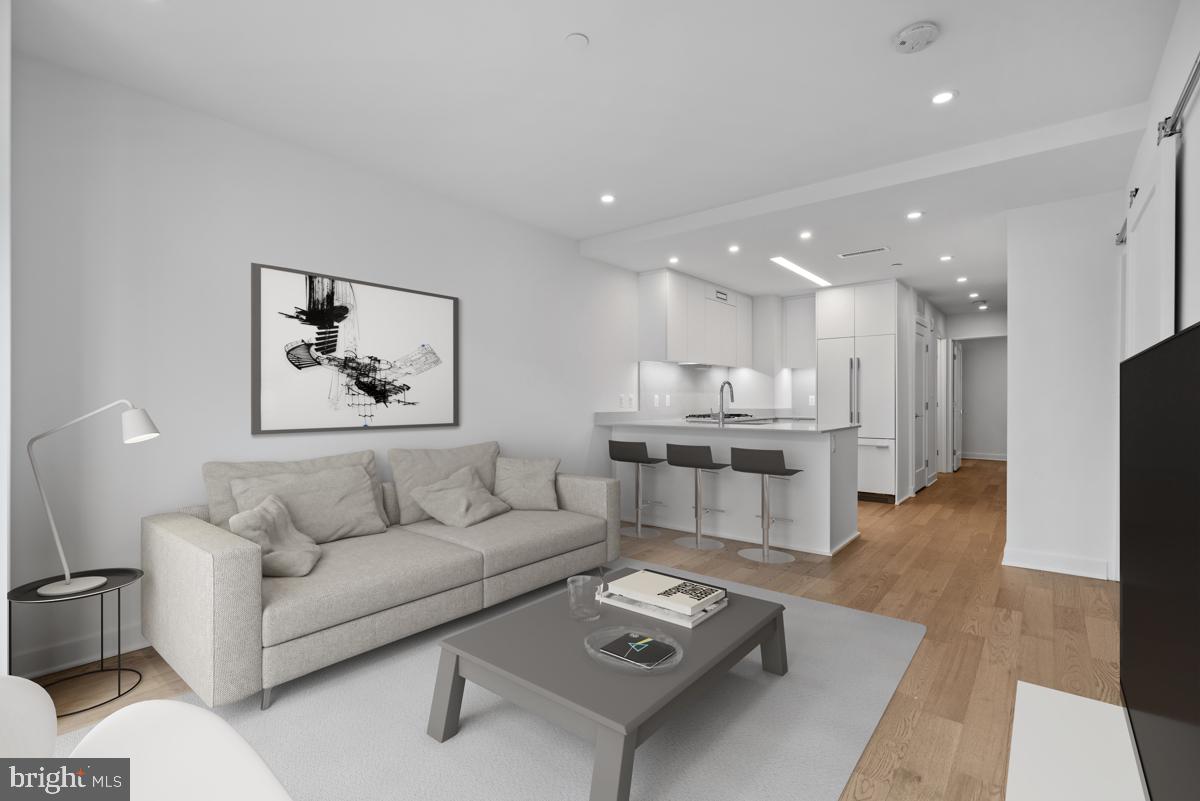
{"type": "Point", "coordinates": [963, 216]}
{"type": "Point", "coordinates": [678, 105]}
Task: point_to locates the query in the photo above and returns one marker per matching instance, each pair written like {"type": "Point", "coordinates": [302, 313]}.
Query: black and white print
{"type": "Point", "coordinates": [334, 353]}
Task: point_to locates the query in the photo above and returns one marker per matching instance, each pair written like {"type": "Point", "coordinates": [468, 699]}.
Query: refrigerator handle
{"type": "Point", "coordinates": [851, 394]}
{"type": "Point", "coordinates": [858, 389]}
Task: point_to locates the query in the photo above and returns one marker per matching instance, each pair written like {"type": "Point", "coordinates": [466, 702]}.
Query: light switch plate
{"type": "Point", "coordinates": [812, 400]}
{"type": "Point", "coordinates": [668, 399]}
{"type": "Point", "coordinates": [655, 400]}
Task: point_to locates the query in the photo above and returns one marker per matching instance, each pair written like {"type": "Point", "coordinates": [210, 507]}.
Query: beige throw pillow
{"type": "Point", "coordinates": [286, 551]}
{"type": "Point", "coordinates": [419, 468]}
{"type": "Point", "coordinates": [326, 505]}
{"type": "Point", "coordinates": [527, 483]}
{"type": "Point", "coordinates": [460, 500]}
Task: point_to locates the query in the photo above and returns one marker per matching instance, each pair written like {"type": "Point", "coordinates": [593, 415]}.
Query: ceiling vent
{"type": "Point", "coordinates": [916, 37]}
{"type": "Point", "coordinates": [856, 253]}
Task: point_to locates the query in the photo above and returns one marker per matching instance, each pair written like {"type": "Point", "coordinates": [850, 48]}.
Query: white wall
{"type": "Point", "coordinates": [136, 223]}
{"type": "Point", "coordinates": [985, 398]}
{"type": "Point", "coordinates": [5, 307]}
{"type": "Point", "coordinates": [1063, 342]}
{"type": "Point", "coordinates": [1177, 58]}
{"type": "Point", "coordinates": [974, 325]}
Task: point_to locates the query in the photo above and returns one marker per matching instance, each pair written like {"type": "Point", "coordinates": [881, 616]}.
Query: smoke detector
{"type": "Point", "coordinates": [916, 37]}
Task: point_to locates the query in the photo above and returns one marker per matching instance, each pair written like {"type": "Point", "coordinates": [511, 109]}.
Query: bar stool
{"type": "Point", "coordinates": [768, 465]}
{"type": "Point", "coordinates": [697, 458]}
{"type": "Point", "coordinates": [635, 453]}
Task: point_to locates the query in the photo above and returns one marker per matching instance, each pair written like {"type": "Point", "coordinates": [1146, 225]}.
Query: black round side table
{"type": "Point", "coordinates": [118, 579]}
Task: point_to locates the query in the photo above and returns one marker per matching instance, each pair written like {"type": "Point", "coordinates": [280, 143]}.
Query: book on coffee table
{"type": "Point", "coordinates": [639, 649]}
{"type": "Point", "coordinates": [679, 595]}
{"type": "Point", "coordinates": [660, 613]}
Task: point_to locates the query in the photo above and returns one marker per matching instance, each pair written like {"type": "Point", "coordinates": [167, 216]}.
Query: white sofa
{"type": "Point", "coordinates": [229, 632]}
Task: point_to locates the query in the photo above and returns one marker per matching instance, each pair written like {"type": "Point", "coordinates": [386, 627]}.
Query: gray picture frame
{"type": "Point", "coordinates": [256, 341]}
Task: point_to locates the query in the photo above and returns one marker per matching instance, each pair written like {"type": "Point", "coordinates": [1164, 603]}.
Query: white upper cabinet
{"type": "Point", "coordinates": [697, 339]}
{"type": "Point", "coordinates": [684, 319]}
{"type": "Point", "coordinates": [875, 309]}
{"type": "Point", "coordinates": [835, 312]}
{"type": "Point", "coordinates": [745, 332]}
{"type": "Point", "coordinates": [856, 311]}
{"type": "Point", "coordinates": [800, 332]}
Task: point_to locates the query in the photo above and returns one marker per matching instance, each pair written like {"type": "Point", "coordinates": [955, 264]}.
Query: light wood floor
{"type": "Point", "coordinates": [934, 560]}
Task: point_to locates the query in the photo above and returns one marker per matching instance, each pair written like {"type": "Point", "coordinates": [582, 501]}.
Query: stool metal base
{"type": "Point", "coordinates": [648, 532]}
{"type": "Point", "coordinates": [700, 544]}
{"type": "Point", "coordinates": [768, 557]}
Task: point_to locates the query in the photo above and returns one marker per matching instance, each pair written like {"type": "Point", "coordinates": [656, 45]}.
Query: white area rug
{"type": "Point", "coordinates": [1065, 746]}
{"type": "Point", "coordinates": [356, 730]}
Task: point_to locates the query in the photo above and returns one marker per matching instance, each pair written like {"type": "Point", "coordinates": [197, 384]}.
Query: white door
{"type": "Point", "coordinates": [956, 411]}
{"type": "Point", "coordinates": [835, 312]}
{"type": "Point", "coordinates": [942, 449]}
{"type": "Point", "coordinates": [875, 309]}
{"type": "Point", "coordinates": [931, 409]}
{"type": "Point", "coordinates": [1148, 262]}
{"type": "Point", "coordinates": [875, 390]}
{"type": "Point", "coordinates": [835, 358]}
{"type": "Point", "coordinates": [720, 333]}
{"type": "Point", "coordinates": [920, 440]}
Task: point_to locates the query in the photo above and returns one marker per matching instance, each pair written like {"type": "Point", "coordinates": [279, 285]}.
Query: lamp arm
{"type": "Point", "coordinates": [37, 479]}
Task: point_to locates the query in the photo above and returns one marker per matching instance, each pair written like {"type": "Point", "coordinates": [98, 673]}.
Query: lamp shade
{"type": "Point", "coordinates": [136, 426]}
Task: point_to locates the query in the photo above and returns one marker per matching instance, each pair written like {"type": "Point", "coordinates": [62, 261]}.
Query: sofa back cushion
{"type": "Point", "coordinates": [527, 484]}
{"type": "Point", "coordinates": [413, 468]}
{"type": "Point", "coordinates": [218, 475]}
{"type": "Point", "coordinates": [326, 505]}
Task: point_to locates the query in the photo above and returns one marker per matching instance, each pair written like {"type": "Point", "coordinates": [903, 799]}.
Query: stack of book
{"type": "Point", "coordinates": [670, 599]}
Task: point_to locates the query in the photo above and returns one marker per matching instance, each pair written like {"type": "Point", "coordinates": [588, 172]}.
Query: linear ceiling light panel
{"type": "Point", "coordinates": [800, 271]}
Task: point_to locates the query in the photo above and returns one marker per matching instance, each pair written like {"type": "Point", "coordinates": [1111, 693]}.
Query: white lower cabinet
{"type": "Point", "coordinates": [877, 466]}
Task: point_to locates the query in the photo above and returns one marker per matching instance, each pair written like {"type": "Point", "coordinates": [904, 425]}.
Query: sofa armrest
{"type": "Point", "coordinates": [595, 496]}
{"type": "Point", "coordinates": [202, 605]}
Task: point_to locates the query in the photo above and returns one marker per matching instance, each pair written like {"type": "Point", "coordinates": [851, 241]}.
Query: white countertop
{"type": "Point", "coordinates": [799, 426]}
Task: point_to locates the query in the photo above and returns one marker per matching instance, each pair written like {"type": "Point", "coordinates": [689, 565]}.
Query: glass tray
{"type": "Point", "coordinates": [599, 638]}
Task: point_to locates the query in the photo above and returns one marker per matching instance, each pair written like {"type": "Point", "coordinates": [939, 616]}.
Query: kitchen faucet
{"type": "Point", "coordinates": [721, 401]}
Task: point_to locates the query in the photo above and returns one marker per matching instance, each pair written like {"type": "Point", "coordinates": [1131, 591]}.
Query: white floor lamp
{"type": "Point", "coordinates": [136, 426]}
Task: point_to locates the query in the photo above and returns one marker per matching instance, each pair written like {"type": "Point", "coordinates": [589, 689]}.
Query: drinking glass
{"type": "Point", "coordinates": [581, 594]}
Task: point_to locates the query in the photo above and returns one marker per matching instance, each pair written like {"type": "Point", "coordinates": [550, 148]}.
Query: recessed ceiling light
{"type": "Point", "coordinates": [941, 98]}
{"type": "Point", "coordinates": [962, 279]}
{"type": "Point", "coordinates": [806, 234]}
{"type": "Point", "coordinates": [946, 258]}
{"type": "Point", "coordinates": [915, 215]}
{"type": "Point", "coordinates": [734, 248]}
{"type": "Point", "coordinates": [800, 271]}
{"type": "Point", "coordinates": [608, 199]}
{"type": "Point", "coordinates": [674, 260]}
{"type": "Point", "coordinates": [983, 307]}
{"type": "Point", "coordinates": [973, 295]}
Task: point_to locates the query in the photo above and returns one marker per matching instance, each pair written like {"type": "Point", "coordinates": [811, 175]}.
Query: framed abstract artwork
{"type": "Point", "coordinates": [331, 353]}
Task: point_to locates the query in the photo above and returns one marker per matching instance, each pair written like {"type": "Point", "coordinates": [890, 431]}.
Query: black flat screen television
{"type": "Point", "coordinates": [1160, 562]}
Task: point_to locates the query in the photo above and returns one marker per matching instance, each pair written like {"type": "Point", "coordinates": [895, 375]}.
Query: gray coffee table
{"type": "Point", "coordinates": [534, 657]}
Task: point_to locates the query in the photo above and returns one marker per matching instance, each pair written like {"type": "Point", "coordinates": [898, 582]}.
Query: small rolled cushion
{"type": "Point", "coordinates": [286, 551]}
{"type": "Point", "coordinates": [460, 500]}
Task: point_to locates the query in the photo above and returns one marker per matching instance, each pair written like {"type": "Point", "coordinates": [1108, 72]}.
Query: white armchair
{"type": "Point", "coordinates": [162, 739]}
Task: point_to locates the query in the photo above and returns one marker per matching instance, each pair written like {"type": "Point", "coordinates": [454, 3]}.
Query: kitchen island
{"type": "Point", "coordinates": [821, 503]}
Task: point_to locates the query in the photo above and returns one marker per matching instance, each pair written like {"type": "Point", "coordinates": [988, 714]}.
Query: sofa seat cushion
{"type": "Point", "coordinates": [518, 538]}
{"type": "Point", "coordinates": [360, 576]}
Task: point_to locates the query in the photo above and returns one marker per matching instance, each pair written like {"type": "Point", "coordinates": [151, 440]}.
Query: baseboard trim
{"type": "Point", "coordinates": [852, 538]}
{"type": "Point", "coordinates": [989, 457]}
{"type": "Point", "coordinates": [66, 654]}
{"type": "Point", "coordinates": [1057, 563]}
{"type": "Point", "coordinates": [877, 497]}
